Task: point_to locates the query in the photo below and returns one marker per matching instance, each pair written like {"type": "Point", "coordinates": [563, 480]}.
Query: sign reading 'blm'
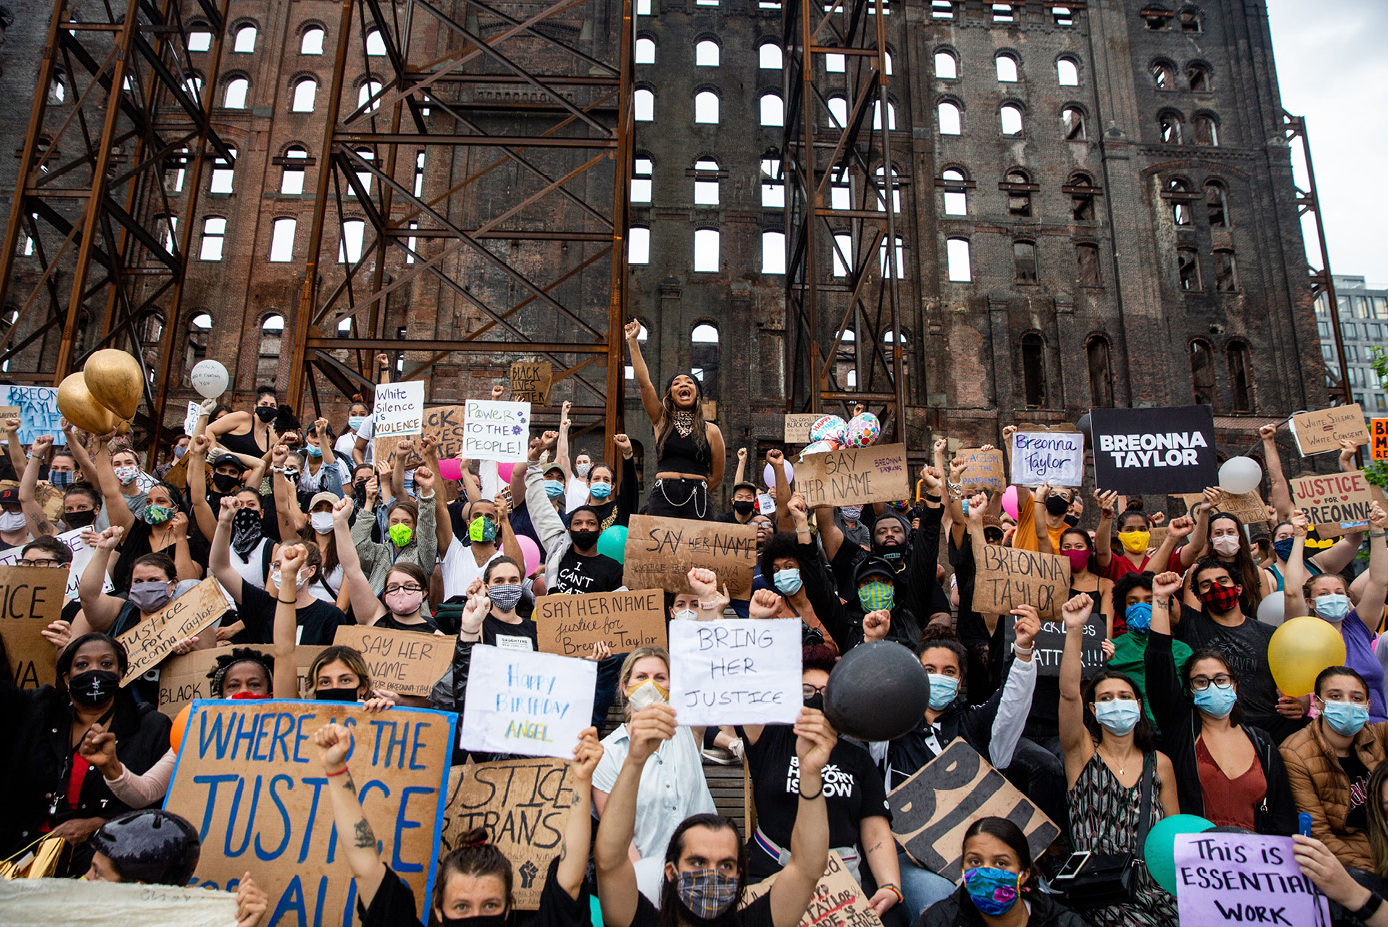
{"type": "Point", "coordinates": [1147, 451]}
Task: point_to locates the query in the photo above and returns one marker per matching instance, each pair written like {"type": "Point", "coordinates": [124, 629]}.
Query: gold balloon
{"type": "Point", "coordinates": [115, 380]}
{"type": "Point", "coordinates": [1300, 649]}
{"type": "Point", "coordinates": [78, 407]}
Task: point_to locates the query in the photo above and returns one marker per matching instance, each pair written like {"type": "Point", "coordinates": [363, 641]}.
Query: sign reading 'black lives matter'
{"type": "Point", "coordinates": [1146, 451]}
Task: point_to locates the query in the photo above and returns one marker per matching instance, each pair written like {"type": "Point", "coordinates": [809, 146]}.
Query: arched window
{"type": "Point", "coordinates": [282, 240]}
{"type": "Point", "coordinates": [1170, 125]}
{"type": "Point", "coordinates": [769, 56]}
{"type": "Point", "coordinates": [1240, 381]}
{"type": "Point", "coordinates": [1190, 20]}
{"type": "Point", "coordinates": [1216, 204]}
{"type": "Point", "coordinates": [957, 259]}
{"type": "Point", "coordinates": [1178, 192]}
{"type": "Point", "coordinates": [706, 258]}
{"type": "Point", "coordinates": [304, 93]}
{"type": "Point", "coordinates": [214, 231]}
{"type": "Point", "coordinates": [1202, 375]}
{"type": "Point", "coordinates": [363, 174]}
{"type": "Point", "coordinates": [349, 249]}
{"type": "Point", "coordinates": [236, 90]}
{"type": "Point", "coordinates": [885, 181]}
{"type": "Point", "coordinates": [1163, 75]}
{"type": "Point", "coordinates": [645, 50]}
{"type": "Point", "coordinates": [641, 337]}
{"type": "Point", "coordinates": [845, 369]}
{"type": "Point", "coordinates": [312, 41]}
{"type": "Point", "coordinates": [1072, 124]}
{"type": "Point", "coordinates": [371, 88]}
{"type": "Point", "coordinates": [843, 253]}
{"type": "Point", "coordinates": [1007, 68]}
{"type": "Point", "coordinates": [1226, 271]}
{"type": "Point", "coordinates": [1067, 72]}
{"type": "Point", "coordinates": [706, 182]}
{"type": "Point", "coordinates": [1063, 15]}
{"type": "Point", "coordinates": [956, 192]}
{"type": "Point", "coordinates": [773, 188]}
{"type": "Point", "coordinates": [1024, 261]}
{"type": "Point", "coordinates": [1156, 17]}
{"type": "Point", "coordinates": [1100, 373]}
{"type": "Point", "coordinates": [641, 171]}
{"type": "Point", "coordinates": [706, 54]}
{"type": "Point", "coordinates": [772, 112]}
{"type": "Point", "coordinates": [1188, 266]}
{"type": "Point", "coordinates": [192, 85]}
{"type": "Point", "coordinates": [887, 63]}
{"type": "Point", "coordinates": [199, 330]}
{"type": "Point", "coordinates": [941, 9]}
{"type": "Point", "coordinates": [946, 65]}
{"type": "Point", "coordinates": [292, 178]}
{"type": "Point", "coordinates": [375, 45]}
{"type": "Point", "coordinates": [1018, 188]}
{"type": "Point", "coordinates": [838, 111]}
{"type": "Point", "coordinates": [643, 103]}
{"type": "Point", "coordinates": [175, 169]}
{"type": "Point", "coordinates": [840, 188]}
{"type": "Point", "coordinates": [57, 89]}
{"type": "Point", "coordinates": [1011, 115]}
{"type": "Point", "coordinates": [900, 256]}
{"type": "Point", "coordinates": [706, 107]}
{"type": "Point", "coordinates": [1087, 263]}
{"type": "Point", "coordinates": [773, 252]}
{"type": "Point", "coordinates": [245, 39]}
{"type": "Point", "coordinates": [1081, 197]}
{"type": "Point", "coordinates": [1206, 130]}
{"type": "Point", "coordinates": [271, 342]}
{"type": "Point", "coordinates": [877, 115]}
{"type": "Point", "coordinates": [639, 245]}
{"type": "Point", "coordinates": [344, 327]}
{"type": "Point", "coordinates": [224, 174]}
{"type": "Point", "coordinates": [703, 358]}
{"type": "Point", "coordinates": [1034, 370]}
{"type": "Point", "coordinates": [948, 114]}
{"type": "Point", "coordinates": [199, 39]}
{"type": "Point", "coordinates": [1197, 77]}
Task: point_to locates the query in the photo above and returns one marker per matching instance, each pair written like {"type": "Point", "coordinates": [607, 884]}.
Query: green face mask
{"type": "Point", "coordinates": [482, 529]}
{"type": "Point", "coordinates": [875, 594]}
{"type": "Point", "coordinates": [400, 534]}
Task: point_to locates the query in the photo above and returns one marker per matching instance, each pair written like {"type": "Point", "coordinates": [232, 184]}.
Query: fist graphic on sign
{"type": "Point", "coordinates": [528, 872]}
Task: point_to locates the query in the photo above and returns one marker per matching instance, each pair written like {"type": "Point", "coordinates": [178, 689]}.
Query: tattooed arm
{"type": "Point", "coordinates": [353, 830]}
{"type": "Point", "coordinates": [573, 852]}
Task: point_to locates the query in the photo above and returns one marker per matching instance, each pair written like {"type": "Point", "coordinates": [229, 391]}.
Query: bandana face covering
{"type": "Point", "coordinates": [1139, 617]}
{"type": "Point", "coordinates": [246, 531]}
{"type": "Point", "coordinates": [1220, 599]}
{"type": "Point", "coordinates": [505, 596]}
{"type": "Point", "coordinates": [1283, 548]}
{"type": "Point", "coordinates": [1135, 542]}
{"type": "Point", "coordinates": [706, 893]}
{"type": "Point", "coordinates": [876, 594]}
{"type": "Point", "coordinates": [993, 891]}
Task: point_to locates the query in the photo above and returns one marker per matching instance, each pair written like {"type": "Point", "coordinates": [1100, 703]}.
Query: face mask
{"type": "Point", "coordinates": [1139, 617]}
{"type": "Point", "coordinates": [993, 891]}
{"type": "Point", "coordinates": [599, 490]}
{"type": "Point", "coordinates": [313, 450]}
{"type": "Point", "coordinates": [876, 594]}
{"type": "Point", "coordinates": [1220, 599]}
{"type": "Point", "coordinates": [584, 540]}
{"type": "Point", "coordinates": [60, 479]}
{"type": "Point", "coordinates": [322, 522]}
{"type": "Point", "coordinates": [852, 512]}
{"type": "Point", "coordinates": [266, 413]}
{"type": "Point", "coordinates": [400, 534]}
{"type": "Point", "coordinates": [1345, 718]}
{"type": "Point", "coordinates": [554, 488]}
{"type": "Point", "coordinates": [744, 506]}
{"type": "Point", "coordinates": [403, 602]}
{"type": "Point", "coordinates": [153, 514]}
{"type": "Point", "coordinates": [126, 474]}
{"type": "Point", "coordinates": [1216, 701]}
{"type": "Point", "coordinates": [355, 422]}
{"type": "Point", "coordinates": [686, 614]}
{"type": "Point", "coordinates": [582, 470]}
{"type": "Point", "coordinates": [179, 452]}
{"type": "Point", "coordinates": [815, 701]}
{"type": "Point", "coordinates": [149, 597]}
{"type": "Point", "coordinates": [1057, 505]}
{"type": "Point", "coordinates": [788, 581]}
{"type": "Point", "coordinates": [277, 578]}
{"type": "Point", "coordinates": [943, 689]}
{"type": "Point", "coordinates": [663, 692]}
{"type": "Point", "coordinates": [1331, 607]}
{"type": "Point", "coordinates": [335, 695]}
{"type": "Point", "coordinates": [505, 597]}
{"type": "Point", "coordinates": [707, 893]}
{"type": "Point", "coordinates": [225, 483]}
{"type": "Point", "coordinates": [1079, 559]}
{"type": "Point", "coordinates": [1118, 716]}
{"type": "Point", "coordinates": [93, 687]}
{"type": "Point", "coordinates": [1135, 542]}
{"type": "Point", "coordinates": [478, 920]}
{"type": "Point", "coordinates": [1071, 520]}
{"type": "Point", "coordinates": [12, 521]}
{"type": "Point", "coordinates": [1226, 545]}
{"type": "Point", "coordinates": [1283, 548]}
{"type": "Point", "coordinates": [892, 553]}
{"type": "Point", "coordinates": [482, 529]}
{"type": "Point", "coordinates": [80, 519]}
{"type": "Point", "coordinates": [291, 473]}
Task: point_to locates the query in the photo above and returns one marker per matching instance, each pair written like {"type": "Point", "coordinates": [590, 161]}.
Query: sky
{"type": "Point", "coordinates": [1332, 67]}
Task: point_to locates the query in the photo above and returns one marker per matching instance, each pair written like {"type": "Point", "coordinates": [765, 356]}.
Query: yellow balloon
{"type": "Point", "coordinates": [1300, 649]}
{"type": "Point", "coordinates": [78, 407]}
{"type": "Point", "coordinates": [115, 380]}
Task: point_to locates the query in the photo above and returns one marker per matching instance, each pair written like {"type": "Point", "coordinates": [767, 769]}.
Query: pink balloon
{"type": "Point", "coordinates": [450, 468]}
{"type": "Point", "coordinates": [1009, 502]}
{"type": "Point", "coordinates": [503, 471]}
{"type": "Point", "coordinates": [531, 550]}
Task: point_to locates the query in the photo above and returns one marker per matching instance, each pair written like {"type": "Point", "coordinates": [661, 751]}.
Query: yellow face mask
{"type": "Point", "coordinates": [664, 692]}
{"type": "Point", "coordinates": [1135, 542]}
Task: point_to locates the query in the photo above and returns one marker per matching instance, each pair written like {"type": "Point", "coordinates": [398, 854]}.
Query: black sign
{"type": "Point", "coordinates": [1154, 451]}
{"type": "Point", "coordinates": [1050, 645]}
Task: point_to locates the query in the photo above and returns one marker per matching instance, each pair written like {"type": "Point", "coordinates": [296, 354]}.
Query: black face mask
{"type": "Point", "coordinates": [225, 483]}
{"type": "Point", "coordinates": [266, 414]}
{"type": "Point", "coordinates": [79, 519]}
{"type": "Point", "coordinates": [1071, 520]}
{"type": "Point", "coordinates": [815, 701]}
{"type": "Point", "coordinates": [1057, 505]}
{"type": "Point", "coordinates": [892, 553]}
{"type": "Point", "coordinates": [335, 695]}
{"type": "Point", "coordinates": [744, 506]}
{"type": "Point", "coordinates": [481, 920]}
{"type": "Point", "coordinates": [359, 493]}
{"type": "Point", "coordinates": [584, 540]}
{"type": "Point", "coordinates": [93, 687]}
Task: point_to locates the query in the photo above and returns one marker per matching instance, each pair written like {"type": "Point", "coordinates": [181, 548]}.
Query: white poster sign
{"type": "Point", "coordinates": [735, 671]}
{"type": "Point", "coordinates": [1054, 457]}
{"type": "Point", "coordinates": [526, 702]}
{"type": "Point", "coordinates": [496, 430]}
{"type": "Point", "coordinates": [190, 421]}
{"type": "Point", "coordinates": [45, 902]}
{"type": "Point", "coordinates": [81, 556]}
{"type": "Point", "coordinates": [399, 409]}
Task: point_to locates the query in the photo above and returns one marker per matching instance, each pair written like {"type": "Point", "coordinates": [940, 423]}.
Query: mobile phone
{"type": "Point", "coordinates": [1072, 866]}
{"type": "Point", "coordinates": [645, 695]}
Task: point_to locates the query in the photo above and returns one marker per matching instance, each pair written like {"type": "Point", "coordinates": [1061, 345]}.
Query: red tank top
{"type": "Point", "coordinates": [1230, 802]}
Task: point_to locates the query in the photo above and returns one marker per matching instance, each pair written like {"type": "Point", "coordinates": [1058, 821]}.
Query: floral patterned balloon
{"type": "Point", "coordinates": [864, 430]}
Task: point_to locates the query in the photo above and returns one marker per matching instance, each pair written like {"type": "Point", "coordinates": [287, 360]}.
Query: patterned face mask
{"type": "Point", "coordinates": [876, 594]}
{"type": "Point", "coordinates": [706, 893]}
{"type": "Point", "coordinates": [482, 530]}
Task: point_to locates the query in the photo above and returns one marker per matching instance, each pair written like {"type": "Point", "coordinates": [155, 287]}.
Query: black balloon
{"type": "Point", "coordinates": [878, 691]}
{"type": "Point", "coordinates": [1083, 426]}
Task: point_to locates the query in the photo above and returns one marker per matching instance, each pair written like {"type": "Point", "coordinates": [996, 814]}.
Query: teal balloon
{"type": "Point", "coordinates": [1160, 851]}
{"type": "Point", "coordinates": [613, 543]}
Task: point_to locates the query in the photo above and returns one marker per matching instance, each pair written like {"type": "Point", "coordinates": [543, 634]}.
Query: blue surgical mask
{"type": "Point", "coordinates": [1118, 716]}
{"type": "Point", "coordinates": [993, 891]}
{"type": "Point", "coordinates": [1345, 718]}
{"type": "Point", "coordinates": [1216, 701]}
{"type": "Point", "coordinates": [1283, 548]}
{"type": "Point", "coordinates": [788, 581]}
{"type": "Point", "coordinates": [1332, 607]}
{"type": "Point", "coordinates": [600, 490]}
{"type": "Point", "coordinates": [313, 450]}
{"type": "Point", "coordinates": [355, 422]}
{"type": "Point", "coordinates": [1139, 617]}
{"type": "Point", "coordinates": [943, 690]}
{"type": "Point", "coordinates": [554, 488]}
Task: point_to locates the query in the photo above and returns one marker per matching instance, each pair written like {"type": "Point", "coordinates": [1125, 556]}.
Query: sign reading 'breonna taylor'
{"type": "Point", "coordinates": [1145, 451]}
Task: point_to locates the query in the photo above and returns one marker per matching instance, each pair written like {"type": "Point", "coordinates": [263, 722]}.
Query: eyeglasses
{"type": "Point", "coordinates": [407, 588]}
{"type": "Point", "coordinates": [1201, 683]}
{"type": "Point", "coordinates": [25, 561]}
{"type": "Point", "coordinates": [809, 691]}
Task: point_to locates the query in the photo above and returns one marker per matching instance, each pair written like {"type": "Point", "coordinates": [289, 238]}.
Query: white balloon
{"type": "Point", "coordinates": [1273, 609]}
{"type": "Point", "coordinates": [209, 378]}
{"type": "Point", "coordinates": [769, 476]}
{"type": "Point", "coordinates": [1239, 475]}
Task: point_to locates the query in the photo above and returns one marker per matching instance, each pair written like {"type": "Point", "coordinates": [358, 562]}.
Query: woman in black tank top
{"type": "Point", "coordinates": [689, 451]}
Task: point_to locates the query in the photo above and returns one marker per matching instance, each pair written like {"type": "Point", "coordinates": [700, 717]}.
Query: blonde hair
{"type": "Point", "coordinates": [629, 664]}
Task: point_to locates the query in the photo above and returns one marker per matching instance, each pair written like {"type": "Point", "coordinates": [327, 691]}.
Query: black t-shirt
{"type": "Point", "coordinates": [136, 544]}
{"type": "Point", "coordinates": [756, 914]}
{"type": "Point", "coordinates": [387, 622]}
{"type": "Point", "coordinates": [1246, 650]}
{"type": "Point", "coordinates": [393, 905]}
{"type": "Point", "coordinates": [318, 621]}
{"type": "Point", "coordinates": [598, 573]}
{"type": "Point", "coordinates": [1358, 774]}
{"type": "Point", "coordinates": [509, 636]}
{"type": "Point", "coordinates": [853, 790]}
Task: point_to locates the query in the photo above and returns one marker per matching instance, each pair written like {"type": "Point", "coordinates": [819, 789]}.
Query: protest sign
{"type": "Point", "coordinates": [570, 625]}
{"type": "Point", "coordinates": [985, 469]}
{"type": "Point", "coordinates": [443, 422]}
{"type": "Point", "coordinates": [533, 704]}
{"type": "Point", "coordinates": [660, 552]}
{"type": "Point", "coordinates": [154, 638]}
{"type": "Point", "coordinates": [241, 756]}
{"type": "Point", "coordinates": [1054, 457]}
{"type": "Point", "coordinates": [838, 899]}
{"type": "Point", "coordinates": [530, 382]}
{"type": "Point", "coordinates": [399, 409]}
{"type": "Point", "coordinates": [32, 598]}
{"type": "Point", "coordinates": [1248, 507]}
{"type": "Point", "coordinates": [1141, 451]}
{"type": "Point", "coordinates": [932, 809]}
{"type": "Point", "coordinates": [797, 427]}
{"type": "Point", "coordinates": [190, 420]}
{"type": "Point", "coordinates": [523, 805]}
{"type": "Point", "coordinates": [1378, 439]}
{"type": "Point", "coordinates": [75, 903]}
{"type": "Point", "coordinates": [732, 671]}
{"type": "Point", "coordinates": [496, 430]}
{"type": "Point", "coordinates": [38, 412]}
{"type": "Point", "coordinates": [81, 556]}
{"type": "Point", "coordinates": [1008, 577]}
{"type": "Point", "coordinates": [1049, 645]}
{"type": "Point", "coordinates": [1321, 431]}
{"type": "Point", "coordinates": [854, 475]}
{"type": "Point", "coordinates": [184, 678]}
{"type": "Point", "coordinates": [1334, 502]}
{"type": "Point", "coordinates": [1244, 879]}
{"type": "Point", "coordinates": [405, 662]}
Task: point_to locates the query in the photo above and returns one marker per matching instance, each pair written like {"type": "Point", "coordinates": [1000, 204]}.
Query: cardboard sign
{"type": "Point", "coordinates": [38, 412]}
{"type": "Point", "coordinates": [1321, 431]}
{"type": "Point", "coordinates": [1244, 879]}
{"type": "Point", "coordinates": [399, 409]}
{"type": "Point", "coordinates": [1378, 439]}
{"type": "Point", "coordinates": [405, 662]}
{"type": "Point", "coordinates": [154, 638]}
{"type": "Point", "coordinates": [1008, 577]}
{"type": "Point", "coordinates": [733, 671]}
{"type": "Point", "coordinates": [660, 552]}
{"type": "Point", "coordinates": [534, 704]}
{"type": "Point", "coordinates": [1053, 457]}
{"type": "Point", "coordinates": [1248, 508]}
{"type": "Point", "coordinates": [1154, 451]}
{"type": "Point", "coordinates": [73, 903]}
{"type": "Point", "coordinates": [184, 678]}
{"type": "Point", "coordinates": [32, 598]}
{"type": "Point", "coordinates": [985, 470]}
{"type": "Point", "coordinates": [932, 809]}
{"type": "Point", "coordinates": [838, 899]}
{"type": "Point", "coordinates": [1050, 645]}
{"type": "Point", "coordinates": [443, 422]}
{"type": "Point", "coordinates": [530, 382]}
{"type": "Point", "coordinates": [797, 427]}
{"type": "Point", "coordinates": [81, 556]}
{"type": "Point", "coordinates": [570, 625]}
{"type": "Point", "coordinates": [1335, 501]}
{"type": "Point", "coordinates": [524, 806]}
{"type": "Point", "coordinates": [249, 779]}
{"type": "Point", "coordinates": [854, 475]}
{"type": "Point", "coordinates": [496, 430]}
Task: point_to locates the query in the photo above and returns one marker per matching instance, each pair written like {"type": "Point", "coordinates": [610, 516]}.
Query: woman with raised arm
{"type": "Point", "coordinates": [400, 607]}
{"type": "Point", "coordinates": [689, 451]}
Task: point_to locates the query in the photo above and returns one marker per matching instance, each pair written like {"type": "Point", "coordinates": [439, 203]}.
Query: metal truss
{"type": "Point", "coordinates": [89, 261]}
{"type": "Point", "coordinates": [842, 274]}
{"type": "Point", "coordinates": [525, 235]}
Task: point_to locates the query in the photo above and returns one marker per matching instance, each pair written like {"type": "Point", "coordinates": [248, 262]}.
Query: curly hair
{"type": "Point", "coordinates": [240, 655]}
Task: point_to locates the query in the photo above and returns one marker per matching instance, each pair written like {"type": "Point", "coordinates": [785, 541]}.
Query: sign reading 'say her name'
{"type": "Point", "coordinates": [534, 704]}
{"type": "Point", "coordinates": [1150, 451]}
{"type": "Point", "coordinates": [735, 671]}
{"type": "Point", "coordinates": [854, 476]}
{"type": "Point", "coordinates": [660, 551]}
{"type": "Point", "coordinates": [496, 430]}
